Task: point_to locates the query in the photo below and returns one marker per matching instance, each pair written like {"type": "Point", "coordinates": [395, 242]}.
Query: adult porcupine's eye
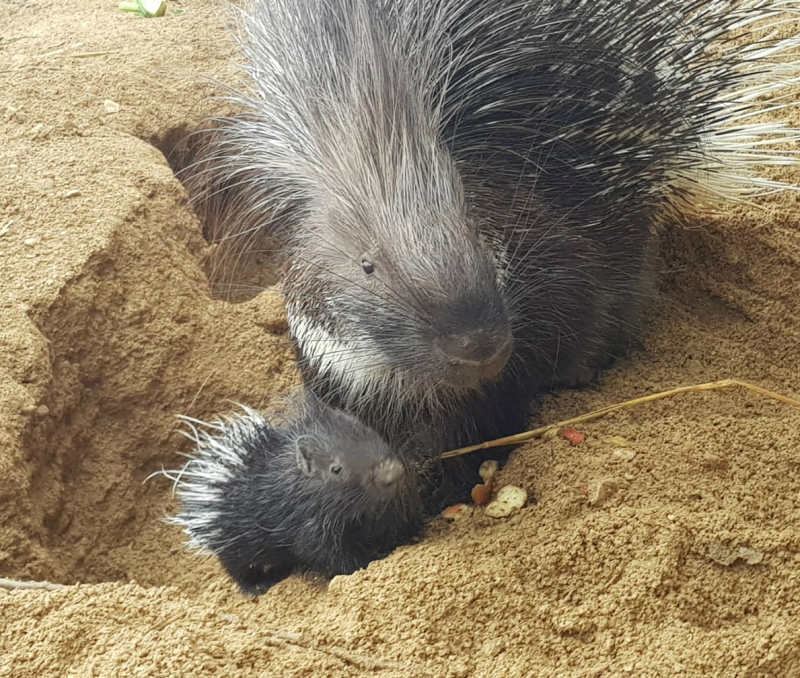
{"type": "Point", "coordinates": [336, 469]}
{"type": "Point", "coordinates": [367, 265]}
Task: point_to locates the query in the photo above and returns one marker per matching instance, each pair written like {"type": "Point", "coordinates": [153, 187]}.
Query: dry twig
{"type": "Point", "coordinates": [596, 414]}
{"type": "Point", "coordinates": [15, 584]}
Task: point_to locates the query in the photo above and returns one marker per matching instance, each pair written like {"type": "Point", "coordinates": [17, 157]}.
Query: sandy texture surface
{"type": "Point", "coordinates": [687, 564]}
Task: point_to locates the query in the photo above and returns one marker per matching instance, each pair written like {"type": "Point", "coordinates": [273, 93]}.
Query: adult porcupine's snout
{"type": "Point", "coordinates": [474, 357]}
{"type": "Point", "coordinates": [476, 343]}
{"type": "Point", "coordinates": [446, 322]}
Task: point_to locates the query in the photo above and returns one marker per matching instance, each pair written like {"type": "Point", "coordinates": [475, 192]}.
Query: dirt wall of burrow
{"type": "Point", "coordinates": [110, 326]}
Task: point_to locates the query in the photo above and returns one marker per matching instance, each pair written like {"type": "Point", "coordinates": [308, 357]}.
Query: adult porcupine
{"type": "Point", "coordinates": [467, 190]}
{"type": "Point", "coordinates": [320, 491]}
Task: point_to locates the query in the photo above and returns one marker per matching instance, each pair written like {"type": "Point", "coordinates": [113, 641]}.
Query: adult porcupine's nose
{"type": "Point", "coordinates": [475, 356]}
{"type": "Point", "coordinates": [388, 472]}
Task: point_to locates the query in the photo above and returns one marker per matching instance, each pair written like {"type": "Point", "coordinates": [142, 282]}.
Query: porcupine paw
{"type": "Point", "coordinates": [255, 578]}
{"type": "Point", "coordinates": [579, 376]}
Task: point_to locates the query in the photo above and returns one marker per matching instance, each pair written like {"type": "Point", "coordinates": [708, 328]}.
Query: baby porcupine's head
{"type": "Point", "coordinates": [341, 459]}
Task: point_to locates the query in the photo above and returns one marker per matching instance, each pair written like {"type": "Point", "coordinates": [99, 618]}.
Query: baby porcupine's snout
{"type": "Point", "coordinates": [388, 473]}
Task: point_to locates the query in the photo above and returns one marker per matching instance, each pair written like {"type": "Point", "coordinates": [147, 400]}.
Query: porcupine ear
{"type": "Point", "coordinates": [303, 456]}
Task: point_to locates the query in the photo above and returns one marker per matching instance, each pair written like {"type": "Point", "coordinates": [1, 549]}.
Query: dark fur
{"type": "Point", "coordinates": [245, 497]}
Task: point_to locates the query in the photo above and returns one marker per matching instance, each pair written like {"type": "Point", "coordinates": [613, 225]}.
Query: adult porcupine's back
{"type": "Point", "coordinates": [467, 190]}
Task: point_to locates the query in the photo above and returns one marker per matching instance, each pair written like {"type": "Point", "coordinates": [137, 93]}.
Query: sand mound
{"type": "Point", "coordinates": [688, 563]}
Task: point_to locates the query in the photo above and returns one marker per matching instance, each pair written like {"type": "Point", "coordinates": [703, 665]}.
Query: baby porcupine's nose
{"type": "Point", "coordinates": [388, 472]}
{"type": "Point", "coordinates": [474, 357]}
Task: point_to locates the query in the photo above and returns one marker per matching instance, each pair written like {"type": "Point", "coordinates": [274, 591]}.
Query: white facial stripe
{"type": "Point", "coordinates": [357, 376]}
{"type": "Point", "coordinates": [328, 356]}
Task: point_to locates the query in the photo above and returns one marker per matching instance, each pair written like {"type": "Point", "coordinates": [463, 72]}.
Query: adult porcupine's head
{"type": "Point", "coordinates": [340, 142]}
{"type": "Point", "coordinates": [389, 287]}
{"type": "Point", "coordinates": [390, 279]}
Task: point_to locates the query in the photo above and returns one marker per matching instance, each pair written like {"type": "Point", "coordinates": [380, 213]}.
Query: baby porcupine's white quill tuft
{"type": "Point", "coordinates": [202, 482]}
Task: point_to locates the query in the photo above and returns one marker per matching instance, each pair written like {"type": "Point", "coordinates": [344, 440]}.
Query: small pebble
{"type": "Point", "coordinates": [599, 492]}
{"type": "Point", "coordinates": [713, 462]}
{"type": "Point", "coordinates": [750, 556]}
{"type": "Point", "coordinates": [726, 555]}
{"type": "Point", "coordinates": [509, 499]}
{"type": "Point", "coordinates": [39, 411]}
{"type": "Point", "coordinates": [110, 106]}
{"type": "Point", "coordinates": [72, 193]}
{"type": "Point", "coordinates": [623, 454]}
{"type": "Point", "coordinates": [574, 437]}
{"type": "Point", "coordinates": [456, 512]}
{"type": "Point", "coordinates": [30, 242]}
{"type": "Point", "coordinates": [487, 470]}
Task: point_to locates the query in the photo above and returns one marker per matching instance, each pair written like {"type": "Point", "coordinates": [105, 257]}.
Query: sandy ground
{"type": "Point", "coordinates": [109, 329]}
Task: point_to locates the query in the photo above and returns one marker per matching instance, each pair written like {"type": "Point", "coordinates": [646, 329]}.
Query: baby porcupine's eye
{"type": "Point", "coordinates": [336, 469]}
{"type": "Point", "coordinates": [367, 265]}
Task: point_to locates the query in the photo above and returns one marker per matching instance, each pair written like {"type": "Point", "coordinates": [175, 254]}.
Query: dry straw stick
{"type": "Point", "coordinates": [11, 584]}
{"type": "Point", "coordinates": [595, 414]}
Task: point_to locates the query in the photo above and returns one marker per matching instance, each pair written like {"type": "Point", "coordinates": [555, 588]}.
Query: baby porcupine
{"type": "Point", "coordinates": [467, 191]}
{"type": "Point", "coordinates": [321, 492]}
